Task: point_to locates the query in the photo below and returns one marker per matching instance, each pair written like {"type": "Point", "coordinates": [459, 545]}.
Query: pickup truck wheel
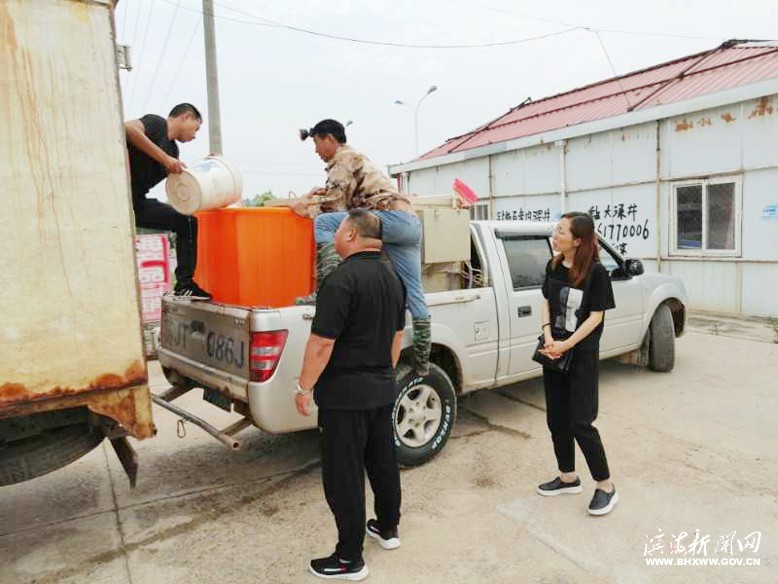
{"type": "Point", "coordinates": [31, 457]}
{"type": "Point", "coordinates": [424, 414]}
{"type": "Point", "coordinates": [661, 342]}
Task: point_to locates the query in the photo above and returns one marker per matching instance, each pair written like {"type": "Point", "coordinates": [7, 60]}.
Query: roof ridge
{"type": "Point", "coordinates": [700, 57]}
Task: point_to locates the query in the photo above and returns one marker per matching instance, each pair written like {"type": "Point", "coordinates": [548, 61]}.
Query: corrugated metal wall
{"type": "Point", "coordinates": [625, 177]}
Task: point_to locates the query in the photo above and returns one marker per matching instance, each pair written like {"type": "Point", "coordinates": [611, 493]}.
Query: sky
{"type": "Point", "coordinates": [280, 69]}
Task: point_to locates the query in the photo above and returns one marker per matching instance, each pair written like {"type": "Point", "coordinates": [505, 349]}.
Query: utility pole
{"type": "Point", "coordinates": [212, 79]}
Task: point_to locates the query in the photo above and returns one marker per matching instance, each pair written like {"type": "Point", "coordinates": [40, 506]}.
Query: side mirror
{"type": "Point", "coordinates": [633, 267]}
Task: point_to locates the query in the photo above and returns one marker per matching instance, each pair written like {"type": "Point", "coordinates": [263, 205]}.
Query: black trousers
{"type": "Point", "coordinates": [154, 214]}
{"type": "Point", "coordinates": [571, 408]}
{"type": "Point", "coordinates": [353, 442]}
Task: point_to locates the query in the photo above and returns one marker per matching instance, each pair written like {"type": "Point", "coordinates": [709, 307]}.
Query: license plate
{"type": "Point", "coordinates": [212, 339]}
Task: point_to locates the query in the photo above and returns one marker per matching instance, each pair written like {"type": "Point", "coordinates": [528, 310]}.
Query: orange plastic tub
{"type": "Point", "coordinates": [255, 256]}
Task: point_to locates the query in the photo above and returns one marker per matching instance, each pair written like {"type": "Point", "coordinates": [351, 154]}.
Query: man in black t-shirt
{"type": "Point", "coordinates": [153, 154]}
{"type": "Point", "coordinates": [349, 362]}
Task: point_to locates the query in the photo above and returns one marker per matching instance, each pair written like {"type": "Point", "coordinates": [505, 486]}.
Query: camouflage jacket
{"type": "Point", "coordinates": [355, 182]}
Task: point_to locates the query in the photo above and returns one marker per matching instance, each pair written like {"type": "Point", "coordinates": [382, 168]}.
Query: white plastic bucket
{"type": "Point", "coordinates": [209, 184]}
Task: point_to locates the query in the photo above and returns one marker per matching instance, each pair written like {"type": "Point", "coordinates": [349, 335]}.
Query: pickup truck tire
{"type": "Point", "coordinates": [423, 415]}
{"type": "Point", "coordinates": [31, 457]}
{"type": "Point", "coordinates": [661, 342]}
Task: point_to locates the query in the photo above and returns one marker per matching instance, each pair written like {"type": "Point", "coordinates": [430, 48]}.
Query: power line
{"type": "Point", "coordinates": [181, 63]}
{"type": "Point", "coordinates": [126, 8]}
{"type": "Point", "coordinates": [260, 21]}
{"type": "Point", "coordinates": [613, 69]}
{"type": "Point", "coordinates": [161, 56]}
{"type": "Point", "coordinates": [591, 28]}
{"type": "Point", "coordinates": [142, 51]}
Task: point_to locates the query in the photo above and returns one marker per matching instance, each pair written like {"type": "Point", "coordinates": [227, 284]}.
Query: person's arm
{"type": "Point", "coordinates": [397, 345]}
{"type": "Point", "coordinates": [545, 321]}
{"type": "Point", "coordinates": [583, 331]}
{"type": "Point", "coordinates": [136, 135]}
{"type": "Point", "coordinates": [302, 205]}
{"type": "Point", "coordinates": [339, 189]}
{"type": "Point", "coordinates": [318, 351]}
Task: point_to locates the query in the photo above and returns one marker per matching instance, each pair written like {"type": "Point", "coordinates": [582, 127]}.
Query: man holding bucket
{"type": "Point", "coordinates": [153, 154]}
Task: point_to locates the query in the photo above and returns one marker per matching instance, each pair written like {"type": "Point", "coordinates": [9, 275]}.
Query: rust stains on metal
{"type": "Point", "coordinates": [728, 117]}
{"type": "Point", "coordinates": [131, 408]}
{"type": "Point", "coordinates": [12, 393]}
{"type": "Point", "coordinates": [128, 406]}
{"type": "Point", "coordinates": [763, 108]}
{"type": "Point", "coordinates": [684, 125]}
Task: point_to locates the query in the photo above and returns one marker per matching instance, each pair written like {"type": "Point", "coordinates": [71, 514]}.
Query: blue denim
{"type": "Point", "coordinates": [402, 243]}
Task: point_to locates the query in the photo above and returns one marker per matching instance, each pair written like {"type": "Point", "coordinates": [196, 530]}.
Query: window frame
{"type": "Point", "coordinates": [705, 183]}
{"type": "Point", "coordinates": [479, 206]}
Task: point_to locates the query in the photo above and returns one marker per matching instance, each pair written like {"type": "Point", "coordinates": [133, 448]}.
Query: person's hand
{"type": "Point", "coordinates": [549, 354]}
{"type": "Point", "coordinates": [300, 206]}
{"type": "Point", "coordinates": [316, 191]}
{"type": "Point", "coordinates": [557, 348]}
{"type": "Point", "coordinates": [174, 165]}
{"type": "Point", "coordinates": [303, 403]}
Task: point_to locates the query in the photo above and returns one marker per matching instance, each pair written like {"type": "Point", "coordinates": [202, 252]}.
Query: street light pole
{"type": "Point", "coordinates": [416, 117]}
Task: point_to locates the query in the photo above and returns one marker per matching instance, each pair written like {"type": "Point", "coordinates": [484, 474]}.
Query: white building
{"type": "Point", "coordinates": [677, 163]}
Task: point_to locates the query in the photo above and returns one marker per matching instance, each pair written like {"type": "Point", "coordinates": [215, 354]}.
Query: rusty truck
{"type": "Point", "coordinates": [72, 366]}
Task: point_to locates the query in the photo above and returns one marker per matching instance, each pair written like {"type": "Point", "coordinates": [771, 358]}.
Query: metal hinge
{"type": "Point", "coordinates": [123, 57]}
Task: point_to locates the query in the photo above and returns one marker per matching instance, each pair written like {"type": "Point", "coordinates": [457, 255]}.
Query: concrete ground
{"type": "Point", "coordinates": [690, 450]}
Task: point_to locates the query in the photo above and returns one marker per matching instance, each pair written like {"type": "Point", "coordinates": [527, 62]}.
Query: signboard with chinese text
{"type": "Point", "coordinates": [153, 274]}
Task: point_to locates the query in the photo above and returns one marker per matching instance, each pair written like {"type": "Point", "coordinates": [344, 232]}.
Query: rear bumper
{"type": "Point", "coordinates": [271, 404]}
{"type": "Point", "coordinates": [227, 383]}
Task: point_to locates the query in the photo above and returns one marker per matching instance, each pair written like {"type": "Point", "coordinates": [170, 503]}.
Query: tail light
{"type": "Point", "coordinates": [266, 349]}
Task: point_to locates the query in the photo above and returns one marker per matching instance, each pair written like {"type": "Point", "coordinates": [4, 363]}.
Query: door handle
{"type": "Point", "coordinates": [524, 311]}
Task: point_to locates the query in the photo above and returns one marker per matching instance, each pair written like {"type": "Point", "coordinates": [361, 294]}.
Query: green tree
{"type": "Point", "coordinates": [258, 200]}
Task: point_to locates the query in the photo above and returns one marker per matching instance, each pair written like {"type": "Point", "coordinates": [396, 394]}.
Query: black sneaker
{"type": "Point", "coordinates": [192, 290]}
{"type": "Point", "coordinates": [388, 538]}
{"type": "Point", "coordinates": [602, 502]}
{"type": "Point", "coordinates": [335, 568]}
{"type": "Point", "coordinates": [559, 487]}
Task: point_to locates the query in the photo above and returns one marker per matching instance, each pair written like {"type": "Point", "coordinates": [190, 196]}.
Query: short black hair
{"type": "Point", "coordinates": [185, 108]}
{"type": "Point", "coordinates": [333, 127]}
{"type": "Point", "coordinates": [366, 223]}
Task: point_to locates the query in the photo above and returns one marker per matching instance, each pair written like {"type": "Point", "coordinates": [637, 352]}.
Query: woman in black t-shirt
{"type": "Point", "coordinates": [577, 292]}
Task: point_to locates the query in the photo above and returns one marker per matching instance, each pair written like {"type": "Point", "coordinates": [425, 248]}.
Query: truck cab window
{"type": "Point", "coordinates": [527, 259]}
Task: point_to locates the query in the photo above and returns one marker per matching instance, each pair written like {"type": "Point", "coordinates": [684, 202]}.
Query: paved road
{"type": "Point", "coordinates": [691, 450]}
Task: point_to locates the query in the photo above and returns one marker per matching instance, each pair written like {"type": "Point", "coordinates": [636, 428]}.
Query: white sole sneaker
{"type": "Point", "coordinates": [353, 576]}
{"type": "Point", "coordinates": [563, 491]}
{"type": "Point", "coordinates": [388, 544]}
{"type": "Point", "coordinates": [607, 509]}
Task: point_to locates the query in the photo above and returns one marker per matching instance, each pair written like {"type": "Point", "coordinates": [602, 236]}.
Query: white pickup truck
{"type": "Point", "coordinates": [483, 333]}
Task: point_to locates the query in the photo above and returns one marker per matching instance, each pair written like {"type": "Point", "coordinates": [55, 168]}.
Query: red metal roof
{"type": "Point", "coordinates": [732, 64]}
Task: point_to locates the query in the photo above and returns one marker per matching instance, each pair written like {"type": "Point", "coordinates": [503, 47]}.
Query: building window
{"type": "Point", "coordinates": [706, 217]}
{"type": "Point", "coordinates": [480, 211]}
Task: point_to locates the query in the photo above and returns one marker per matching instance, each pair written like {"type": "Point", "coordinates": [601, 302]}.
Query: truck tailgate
{"type": "Point", "coordinates": [211, 341]}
